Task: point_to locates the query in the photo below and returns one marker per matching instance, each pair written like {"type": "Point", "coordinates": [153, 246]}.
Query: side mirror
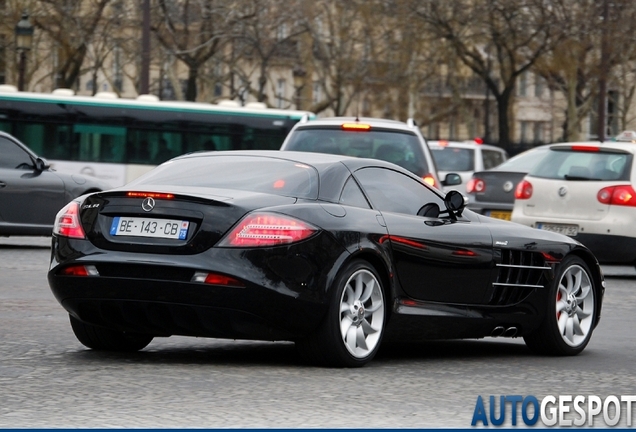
{"type": "Point", "coordinates": [41, 164]}
{"type": "Point", "coordinates": [455, 202]}
{"type": "Point", "coordinates": [452, 179]}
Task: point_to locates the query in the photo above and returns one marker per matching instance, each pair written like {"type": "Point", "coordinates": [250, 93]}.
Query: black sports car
{"type": "Point", "coordinates": [333, 252]}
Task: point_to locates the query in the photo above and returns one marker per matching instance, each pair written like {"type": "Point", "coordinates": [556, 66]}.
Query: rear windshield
{"type": "Point", "coordinates": [249, 173]}
{"type": "Point", "coordinates": [454, 159]}
{"type": "Point", "coordinates": [584, 165]}
{"type": "Point", "coordinates": [401, 148]}
{"type": "Point", "coordinates": [523, 162]}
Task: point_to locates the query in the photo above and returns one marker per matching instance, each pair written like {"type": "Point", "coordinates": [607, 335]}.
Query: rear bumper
{"type": "Point", "coordinates": [611, 244]}
{"type": "Point", "coordinates": [484, 207]}
{"type": "Point", "coordinates": [284, 297]}
{"type": "Point", "coordinates": [181, 314]}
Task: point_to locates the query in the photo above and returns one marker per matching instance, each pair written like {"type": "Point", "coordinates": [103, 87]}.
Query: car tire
{"type": "Point", "coordinates": [103, 339]}
{"type": "Point", "coordinates": [570, 321]}
{"type": "Point", "coordinates": [351, 333]}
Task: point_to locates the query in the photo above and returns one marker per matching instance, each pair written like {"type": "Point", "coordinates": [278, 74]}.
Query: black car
{"type": "Point", "coordinates": [31, 193]}
{"type": "Point", "coordinates": [333, 252]}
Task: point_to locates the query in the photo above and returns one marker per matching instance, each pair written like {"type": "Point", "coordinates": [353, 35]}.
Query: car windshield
{"type": "Point", "coordinates": [584, 165]}
{"type": "Point", "coordinates": [401, 148]}
{"type": "Point", "coordinates": [523, 162]}
{"type": "Point", "coordinates": [454, 159]}
{"type": "Point", "coordinates": [249, 173]}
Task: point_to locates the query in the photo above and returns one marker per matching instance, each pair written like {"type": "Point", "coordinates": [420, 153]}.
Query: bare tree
{"type": "Point", "coordinates": [576, 65]}
{"type": "Point", "coordinates": [497, 39]}
{"type": "Point", "coordinates": [267, 37]}
{"type": "Point", "coordinates": [71, 26]}
{"type": "Point", "coordinates": [621, 54]}
{"type": "Point", "coordinates": [342, 50]}
{"type": "Point", "coordinates": [192, 31]}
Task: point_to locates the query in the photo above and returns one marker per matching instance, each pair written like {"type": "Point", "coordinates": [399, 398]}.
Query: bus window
{"type": "Point", "coordinates": [49, 140]}
{"type": "Point", "coordinates": [167, 146]}
{"type": "Point", "coordinates": [103, 143]}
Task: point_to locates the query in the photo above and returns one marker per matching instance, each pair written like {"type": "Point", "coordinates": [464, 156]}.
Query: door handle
{"type": "Point", "coordinates": [2, 184]}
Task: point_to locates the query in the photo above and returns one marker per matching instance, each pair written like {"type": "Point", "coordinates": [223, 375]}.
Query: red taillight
{"type": "Point", "coordinates": [617, 195]}
{"type": "Point", "coordinates": [268, 229]}
{"type": "Point", "coordinates": [217, 279]}
{"type": "Point", "coordinates": [79, 270]}
{"type": "Point", "coordinates": [67, 222]}
{"type": "Point", "coordinates": [604, 196]}
{"type": "Point", "coordinates": [150, 195]}
{"type": "Point", "coordinates": [428, 178]}
{"type": "Point", "coordinates": [475, 185]}
{"type": "Point", "coordinates": [361, 127]}
{"type": "Point", "coordinates": [523, 190]}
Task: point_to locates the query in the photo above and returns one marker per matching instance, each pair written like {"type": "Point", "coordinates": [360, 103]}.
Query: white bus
{"type": "Point", "coordinates": [117, 139]}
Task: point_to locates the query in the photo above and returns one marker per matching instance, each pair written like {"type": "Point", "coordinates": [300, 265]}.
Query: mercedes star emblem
{"type": "Point", "coordinates": [148, 204]}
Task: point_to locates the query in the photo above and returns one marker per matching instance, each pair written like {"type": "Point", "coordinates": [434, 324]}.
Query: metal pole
{"type": "Point", "coordinates": [602, 87]}
{"type": "Point", "coordinates": [144, 85]}
{"type": "Point", "coordinates": [21, 70]}
{"type": "Point", "coordinates": [487, 104]}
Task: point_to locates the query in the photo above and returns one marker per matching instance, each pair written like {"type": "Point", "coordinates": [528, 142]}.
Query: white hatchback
{"type": "Point", "coordinates": [585, 191]}
{"type": "Point", "coordinates": [464, 158]}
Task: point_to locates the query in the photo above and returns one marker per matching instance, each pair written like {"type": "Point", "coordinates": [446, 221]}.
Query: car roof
{"type": "Point", "coordinates": [320, 161]}
{"type": "Point", "coordinates": [333, 170]}
{"type": "Point", "coordinates": [374, 122]}
{"type": "Point", "coordinates": [614, 145]}
{"type": "Point", "coordinates": [463, 144]}
{"type": "Point", "coordinates": [19, 143]}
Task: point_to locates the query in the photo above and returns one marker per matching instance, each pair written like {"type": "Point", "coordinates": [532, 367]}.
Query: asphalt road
{"type": "Point", "coordinates": [49, 380]}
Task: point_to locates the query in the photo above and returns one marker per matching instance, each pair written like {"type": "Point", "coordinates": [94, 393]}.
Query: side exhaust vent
{"type": "Point", "coordinates": [519, 273]}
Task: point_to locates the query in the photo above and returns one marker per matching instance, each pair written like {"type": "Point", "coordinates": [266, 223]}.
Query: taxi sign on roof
{"type": "Point", "coordinates": [626, 136]}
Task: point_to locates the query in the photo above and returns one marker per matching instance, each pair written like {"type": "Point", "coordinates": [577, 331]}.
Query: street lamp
{"type": "Point", "coordinates": [23, 40]}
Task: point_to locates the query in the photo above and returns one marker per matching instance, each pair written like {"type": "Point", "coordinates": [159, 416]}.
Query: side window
{"type": "Point", "coordinates": [395, 192]}
{"type": "Point", "coordinates": [352, 195]}
{"type": "Point", "coordinates": [12, 156]}
{"type": "Point", "coordinates": [492, 158]}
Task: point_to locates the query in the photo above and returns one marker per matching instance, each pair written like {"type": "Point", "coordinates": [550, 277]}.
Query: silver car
{"type": "Point", "coordinates": [389, 140]}
{"type": "Point", "coordinates": [464, 158]}
{"type": "Point", "coordinates": [31, 193]}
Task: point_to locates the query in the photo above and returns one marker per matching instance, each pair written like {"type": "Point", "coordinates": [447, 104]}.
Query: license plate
{"type": "Point", "coordinates": [503, 214]}
{"type": "Point", "coordinates": [569, 230]}
{"type": "Point", "coordinates": [149, 227]}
